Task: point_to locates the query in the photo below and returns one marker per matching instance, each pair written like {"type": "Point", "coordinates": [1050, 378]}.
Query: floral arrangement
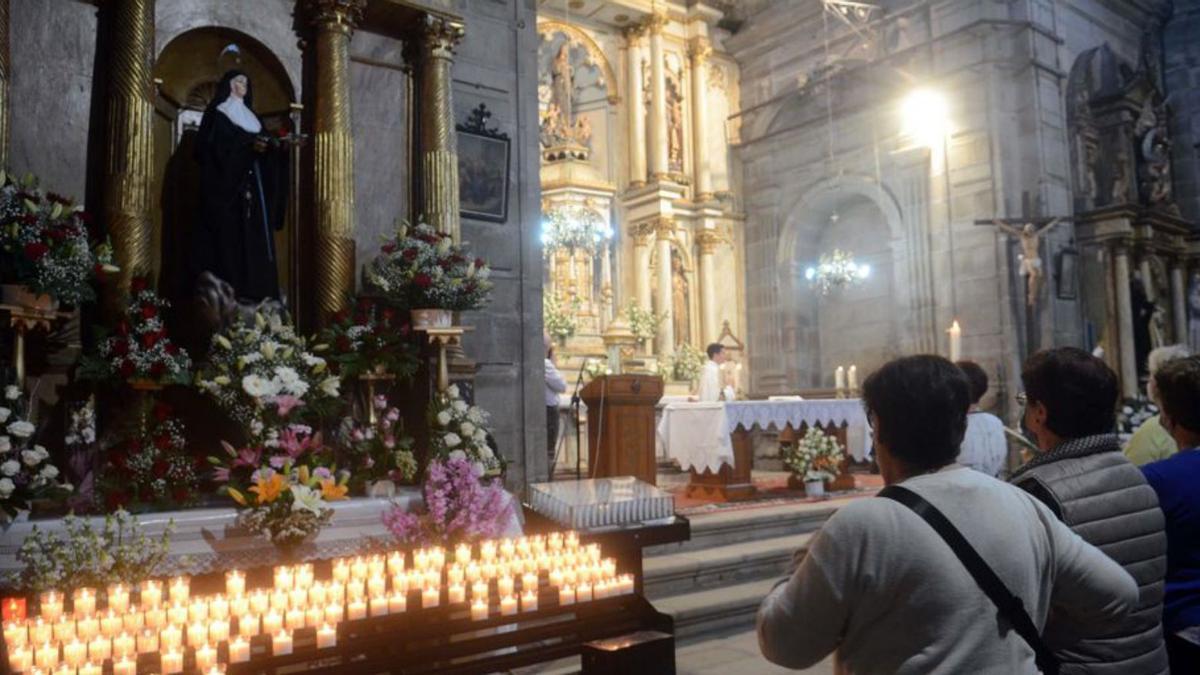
{"type": "Point", "coordinates": [151, 467]}
{"type": "Point", "coordinates": [118, 552]}
{"type": "Point", "coordinates": [643, 323]}
{"type": "Point", "coordinates": [596, 367]}
{"type": "Point", "coordinates": [458, 507]}
{"type": "Point", "coordinates": [816, 456]}
{"type": "Point", "coordinates": [687, 362]}
{"type": "Point", "coordinates": [141, 349]}
{"type": "Point", "coordinates": [421, 268]}
{"type": "Point", "coordinates": [1133, 413]}
{"type": "Point", "coordinates": [379, 451]}
{"type": "Point", "coordinates": [282, 487]}
{"type": "Point", "coordinates": [44, 243]}
{"type": "Point", "coordinates": [559, 322]}
{"type": "Point", "coordinates": [371, 339]}
{"type": "Point", "coordinates": [459, 431]}
{"type": "Point", "coordinates": [26, 473]}
{"type": "Point", "coordinates": [260, 373]}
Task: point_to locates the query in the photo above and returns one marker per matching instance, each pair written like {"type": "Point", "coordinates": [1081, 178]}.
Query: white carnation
{"type": "Point", "coordinates": [485, 452]}
{"type": "Point", "coordinates": [12, 393]}
{"type": "Point", "coordinates": [259, 387]}
{"type": "Point", "coordinates": [5, 444]}
{"type": "Point", "coordinates": [21, 429]}
{"type": "Point", "coordinates": [468, 429]}
{"type": "Point", "coordinates": [451, 439]}
{"type": "Point", "coordinates": [452, 391]}
{"type": "Point", "coordinates": [4, 413]}
{"type": "Point", "coordinates": [10, 468]}
{"type": "Point", "coordinates": [30, 457]}
{"type": "Point", "coordinates": [478, 468]}
{"type": "Point", "coordinates": [460, 406]}
{"type": "Point", "coordinates": [475, 416]}
{"type": "Point", "coordinates": [50, 472]}
{"type": "Point", "coordinates": [6, 488]}
{"type": "Point", "coordinates": [457, 454]}
{"type": "Point", "coordinates": [443, 418]}
{"type": "Point", "coordinates": [41, 451]}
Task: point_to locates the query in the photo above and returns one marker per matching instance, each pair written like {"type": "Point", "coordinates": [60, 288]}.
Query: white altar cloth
{"type": "Point", "coordinates": [208, 540]}
{"type": "Point", "coordinates": [824, 412]}
{"type": "Point", "coordinates": [697, 435]}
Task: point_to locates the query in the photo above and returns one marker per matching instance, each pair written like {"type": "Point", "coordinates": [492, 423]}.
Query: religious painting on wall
{"type": "Point", "coordinates": [483, 160]}
{"type": "Point", "coordinates": [1066, 275]}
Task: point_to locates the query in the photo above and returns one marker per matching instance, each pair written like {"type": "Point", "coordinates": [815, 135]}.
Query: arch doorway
{"type": "Point", "coordinates": [189, 68]}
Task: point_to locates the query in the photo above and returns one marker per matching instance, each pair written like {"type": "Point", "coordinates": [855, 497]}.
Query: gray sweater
{"type": "Point", "coordinates": [884, 591]}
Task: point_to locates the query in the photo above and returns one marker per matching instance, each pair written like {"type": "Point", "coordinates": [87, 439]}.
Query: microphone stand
{"type": "Point", "coordinates": [576, 401]}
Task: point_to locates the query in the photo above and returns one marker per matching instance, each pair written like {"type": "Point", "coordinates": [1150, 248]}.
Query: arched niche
{"type": "Point", "coordinates": [191, 65]}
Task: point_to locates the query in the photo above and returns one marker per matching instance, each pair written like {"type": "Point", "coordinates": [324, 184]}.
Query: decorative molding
{"type": "Point", "coordinates": [440, 36]}
{"type": "Point", "coordinates": [699, 49]}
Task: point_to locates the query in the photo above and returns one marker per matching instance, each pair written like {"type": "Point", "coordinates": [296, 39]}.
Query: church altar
{"type": "Point", "coordinates": [206, 541]}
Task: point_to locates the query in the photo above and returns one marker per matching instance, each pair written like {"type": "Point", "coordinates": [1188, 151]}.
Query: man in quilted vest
{"type": "Point", "coordinates": [1070, 401]}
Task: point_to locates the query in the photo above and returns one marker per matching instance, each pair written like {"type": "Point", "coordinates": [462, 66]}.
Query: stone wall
{"type": "Point", "coordinates": [1182, 74]}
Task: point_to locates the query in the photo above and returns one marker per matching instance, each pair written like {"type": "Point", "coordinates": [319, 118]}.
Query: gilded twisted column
{"type": "Point", "coordinates": [333, 153]}
{"type": "Point", "coordinates": [129, 150]}
{"type": "Point", "coordinates": [5, 104]}
{"type": "Point", "coordinates": [439, 148]}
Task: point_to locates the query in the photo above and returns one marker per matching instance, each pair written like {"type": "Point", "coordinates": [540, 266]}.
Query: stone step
{"type": "Point", "coordinates": [723, 610]}
{"type": "Point", "coordinates": [722, 528]}
{"type": "Point", "coordinates": [687, 571]}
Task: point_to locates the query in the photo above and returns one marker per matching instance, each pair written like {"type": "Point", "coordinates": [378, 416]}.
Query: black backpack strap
{"type": "Point", "coordinates": [1011, 607]}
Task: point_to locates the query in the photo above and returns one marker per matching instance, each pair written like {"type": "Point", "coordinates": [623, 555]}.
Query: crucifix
{"type": "Point", "coordinates": [1028, 230]}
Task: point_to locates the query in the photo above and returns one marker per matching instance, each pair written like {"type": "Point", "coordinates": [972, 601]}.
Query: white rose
{"type": "Point", "coordinates": [457, 454]}
{"type": "Point", "coordinates": [451, 439]}
{"type": "Point", "coordinates": [12, 393]}
{"type": "Point", "coordinates": [460, 406]}
{"type": "Point", "coordinates": [486, 452]}
{"type": "Point", "coordinates": [5, 444]}
{"type": "Point", "coordinates": [42, 453]}
{"type": "Point", "coordinates": [50, 472]}
{"type": "Point", "coordinates": [475, 416]}
{"type": "Point", "coordinates": [10, 468]}
{"type": "Point", "coordinates": [480, 436]}
{"type": "Point", "coordinates": [21, 429]}
{"type": "Point", "coordinates": [6, 488]}
{"type": "Point", "coordinates": [468, 429]}
{"type": "Point", "coordinates": [4, 413]}
{"type": "Point", "coordinates": [452, 391]}
{"type": "Point", "coordinates": [443, 418]}
{"type": "Point", "coordinates": [30, 457]}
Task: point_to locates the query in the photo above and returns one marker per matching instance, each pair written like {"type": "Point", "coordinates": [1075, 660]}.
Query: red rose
{"type": "Point", "coordinates": [149, 311]}
{"type": "Point", "coordinates": [138, 284]}
{"type": "Point", "coordinates": [181, 495]}
{"type": "Point", "coordinates": [410, 254]}
{"type": "Point", "coordinates": [118, 459]}
{"type": "Point", "coordinates": [172, 349]}
{"type": "Point", "coordinates": [116, 500]}
{"type": "Point", "coordinates": [479, 263]}
{"type": "Point", "coordinates": [157, 369]}
{"type": "Point", "coordinates": [161, 411]}
{"type": "Point", "coordinates": [36, 250]}
{"type": "Point", "coordinates": [341, 316]}
{"type": "Point", "coordinates": [388, 315]}
{"type": "Point", "coordinates": [120, 347]}
{"type": "Point", "coordinates": [445, 265]}
{"type": "Point", "coordinates": [127, 369]}
{"type": "Point", "coordinates": [423, 280]}
{"type": "Point", "coordinates": [405, 329]}
{"type": "Point", "coordinates": [135, 445]}
{"type": "Point", "coordinates": [389, 247]}
{"type": "Point", "coordinates": [122, 328]}
{"type": "Point", "coordinates": [159, 468]}
{"type": "Point", "coordinates": [149, 340]}
{"type": "Point", "coordinates": [29, 219]}
{"type": "Point", "coordinates": [56, 233]}
{"type": "Point", "coordinates": [342, 343]}
{"type": "Point", "coordinates": [364, 304]}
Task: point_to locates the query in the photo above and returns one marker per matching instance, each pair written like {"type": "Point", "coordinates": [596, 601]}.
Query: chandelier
{"type": "Point", "coordinates": [574, 227]}
{"type": "Point", "coordinates": [836, 271]}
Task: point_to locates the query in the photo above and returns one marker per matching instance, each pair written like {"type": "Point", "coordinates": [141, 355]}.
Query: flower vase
{"type": "Point", "coordinates": [19, 295]}
{"type": "Point", "coordinates": [814, 489]}
{"type": "Point", "coordinates": [432, 318]}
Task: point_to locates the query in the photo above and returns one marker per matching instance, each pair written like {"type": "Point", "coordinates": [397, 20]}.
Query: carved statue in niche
{"type": "Point", "coordinates": [557, 91]}
{"type": "Point", "coordinates": [1143, 320]}
{"type": "Point", "coordinates": [1154, 144]}
{"type": "Point", "coordinates": [674, 121]}
{"type": "Point", "coordinates": [562, 83]}
{"type": "Point", "coordinates": [679, 300]}
{"type": "Point", "coordinates": [1120, 185]}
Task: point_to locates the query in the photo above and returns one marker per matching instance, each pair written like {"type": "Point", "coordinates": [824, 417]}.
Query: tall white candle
{"type": "Point", "coordinates": [852, 377]}
{"type": "Point", "coordinates": [839, 378]}
{"type": "Point", "coordinates": [955, 332]}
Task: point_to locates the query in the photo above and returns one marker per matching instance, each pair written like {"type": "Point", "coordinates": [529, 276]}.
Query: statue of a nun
{"type": "Point", "coordinates": [243, 193]}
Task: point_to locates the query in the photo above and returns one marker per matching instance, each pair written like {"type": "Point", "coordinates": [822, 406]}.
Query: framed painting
{"type": "Point", "coordinates": [483, 162]}
{"type": "Point", "coordinates": [1066, 274]}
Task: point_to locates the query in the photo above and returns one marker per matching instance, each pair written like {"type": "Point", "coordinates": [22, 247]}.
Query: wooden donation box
{"type": "Point", "coordinates": [620, 419]}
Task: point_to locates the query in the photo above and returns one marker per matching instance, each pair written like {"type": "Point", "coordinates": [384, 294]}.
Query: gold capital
{"type": "Point", "coordinates": [633, 33]}
{"type": "Point", "coordinates": [664, 227]}
{"type": "Point", "coordinates": [655, 22]}
{"type": "Point", "coordinates": [339, 15]}
{"type": "Point", "coordinates": [642, 232]}
{"type": "Point", "coordinates": [699, 49]}
{"type": "Point", "coordinates": [441, 36]}
{"type": "Point", "coordinates": [708, 241]}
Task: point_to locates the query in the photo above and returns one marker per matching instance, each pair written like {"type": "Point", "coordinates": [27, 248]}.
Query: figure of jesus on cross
{"type": "Point", "coordinates": [1028, 230]}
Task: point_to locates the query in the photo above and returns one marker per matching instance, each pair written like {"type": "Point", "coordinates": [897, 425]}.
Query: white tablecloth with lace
{"type": "Point", "coordinates": [697, 435]}
{"type": "Point", "coordinates": [778, 414]}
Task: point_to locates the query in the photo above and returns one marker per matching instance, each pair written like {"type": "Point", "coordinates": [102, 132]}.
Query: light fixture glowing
{"type": "Point", "coordinates": [574, 227]}
{"type": "Point", "coordinates": [925, 117]}
{"type": "Point", "coordinates": [835, 271]}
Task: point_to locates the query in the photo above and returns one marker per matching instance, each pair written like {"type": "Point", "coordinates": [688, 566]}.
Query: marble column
{"type": "Point", "coordinates": [439, 148]}
{"type": "Point", "coordinates": [1178, 302]}
{"type": "Point", "coordinates": [333, 152]}
{"type": "Point", "coordinates": [658, 99]}
{"type": "Point", "coordinates": [635, 105]}
{"type": "Point", "coordinates": [708, 241]}
{"type": "Point", "coordinates": [642, 235]}
{"type": "Point", "coordinates": [5, 104]}
{"type": "Point", "coordinates": [1128, 363]}
{"type": "Point", "coordinates": [700, 50]}
{"type": "Point", "coordinates": [606, 288]}
{"type": "Point", "coordinates": [129, 142]}
{"type": "Point", "coordinates": [663, 231]}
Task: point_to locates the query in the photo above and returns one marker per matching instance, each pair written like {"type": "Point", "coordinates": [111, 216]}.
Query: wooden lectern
{"type": "Point", "coordinates": [620, 418]}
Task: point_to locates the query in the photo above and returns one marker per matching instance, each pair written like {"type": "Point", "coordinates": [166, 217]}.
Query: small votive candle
{"type": "Point", "coordinates": [456, 593]}
{"type": "Point", "coordinates": [197, 634]}
{"type": "Point", "coordinates": [583, 592]}
{"type": "Point", "coordinates": [334, 614]}
{"type": "Point", "coordinates": [326, 637]}
{"type": "Point", "coordinates": [124, 666]}
{"type": "Point", "coordinates": [177, 613]}
{"type": "Point", "coordinates": [508, 605]}
{"type": "Point", "coordinates": [272, 622]}
{"type": "Point", "coordinates": [46, 655]}
{"type": "Point", "coordinates": [507, 549]}
{"type": "Point", "coordinates": [376, 566]}
{"type": "Point", "coordinates": [397, 602]}
{"type": "Point", "coordinates": [341, 570]}
{"type": "Point", "coordinates": [124, 645]}
{"type": "Point", "coordinates": [180, 589]}
{"type": "Point", "coordinates": [40, 631]}
{"type": "Point", "coordinates": [529, 581]}
{"type": "Point", "coordinates": [566, 595]}
{"type": "Point", "coordinates": [479, 590]}
{"type": "Point", "coordinates": [155, 618]}
{"type": "Point", "coordinates": [84, 602]}
{"type": "Point", "coordinates": [395, 563]}
{"type": "Point", "coordinates": [437, 558]}
{"type": "Point", "coordinates": [51, 604]}
{"type": "Point", "coordinates": [147, 641]}
{"type": "Point", "coordinates": [235, 582]}
{"type": "Point", "coordinates": [455, 574]}
{"type": "Point", "coordinates": [462, 554]}
{"type": "Point", "coordinates": [335, 592]}
{"type": "Point", "coordinates": [248, 625]}
{"type": "Point", "coordinates": [358, 568]}
{"type": "Point", "coordinates": [118, 598]}
{"type": "Point", "coordinates": [304, 575]}
{"type": "Point", "coordinates": [170, 637]}
{"type": "Point", "coordinates": [285, 580]}
{"type": "Point", "coordinates": [504, 586]}
{"type": "Point", "coordinates": [379, 605]}
{"type": "Point", "coordinates": [74, 653]}
{"type": "Point", "coordinates": [529, 601]}
{"type": "Point", "coordinates": [260, 602]}
{"type": "Point", "coordinates": [479, 610]}
{"type": "Point", "coordinates": [99, 648]}
{"type": "Point", "coordinates": [206, 656]}
{"type": "Point", "coordinates": [91, 668]}
{"type": "Point", "coordinates": [430, 597]}
{"type": "Point", "coordinates": [281, 643]}
{"type": "Point", "coordinates": [239, 650]}
{"type": "Point", "coordinates": [357, 609]}
{"type": "Point", "coordinates": [87, 628]}
{"type": "Point", "coordinates": [487, 551]}
{"type": "Point", "coordinates": [238, 605]}
{"type": "Point", "coordinates": [20, 659]}
{"type": "Point", "coordinates": [133, 621]}
{"type": "Point", "coordinates": [294, 619]}
{"type": "Point", "coordinates": [280, 601]}
{"type": "Point", "coordinates": [16, 634]}
{"type": "Point", "coordinates": [356, 589]}
{"type": "Point", "coordinates": [218, 630]}
{"type": "Point", "coordinates": [151, 594]}
{"type": "Point", "coordinates": [376, 585]}
{"type": "Point", "coordinates": [64, 630]}
{"type": "Point", "coordinates": [111, 623]}
{"type": "Point", "coordinates": [316, 594]}
{"type": "Point", "coordinates": [314, 616]}
{"type": "Point", "coordinates": [556, 577]}
{"type": "Point", "coordinates": [218, 608]}
{"type": "Point", "coordinates": [298, 597]}
{"type": "Point", "coordinates": [420, 559]}
{"type": "Point", "coordinates": [172, 662]}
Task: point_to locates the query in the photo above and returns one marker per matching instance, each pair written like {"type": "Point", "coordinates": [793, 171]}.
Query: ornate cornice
{"type": "Point", "coordinates": [343, 15]}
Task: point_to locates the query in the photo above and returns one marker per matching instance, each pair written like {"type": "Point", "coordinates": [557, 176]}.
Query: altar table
{"type": "Point", "coordinates": [712, 440]}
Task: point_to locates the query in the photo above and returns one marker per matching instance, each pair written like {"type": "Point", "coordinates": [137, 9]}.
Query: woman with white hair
{"type": "Point", "coordinates": [1150, 442]}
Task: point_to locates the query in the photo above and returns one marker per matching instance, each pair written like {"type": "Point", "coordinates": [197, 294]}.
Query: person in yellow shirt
{"type": "Point", "coordinates": [1150, 442]}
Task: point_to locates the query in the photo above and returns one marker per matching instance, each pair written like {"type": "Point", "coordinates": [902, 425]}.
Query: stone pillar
{"type": "Point", "coordinates": [641, 256]}
{"type": "Point", "coordinates": [635, 104]}
{"type": "Point", "coordinates": [708, 240]}
{"type": "Point", "coordinates": [1179, 302]}
{"type": "Point", "coordinates": [663, 229]}
{"type": "Point", "coordinates": [658, 99]}
{"type": "Point", "coordinates": [439, 148]}
{"type": "Point", "coordinates": [1128, 363]}
{"type": "Point", "coordinates": [606, 288]}
{"type": "Point", "coordinates": [129, 143]}
{"type": "Point", "coordinates": [700, 49]}
{"type": "Point", "coordinates": [4, 78]}
{"type": "Point", "coordinates": [333, 152]}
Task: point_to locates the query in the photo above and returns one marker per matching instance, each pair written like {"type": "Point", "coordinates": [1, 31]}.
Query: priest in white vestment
{"type": "Point", "coordinates": [710, 390]}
